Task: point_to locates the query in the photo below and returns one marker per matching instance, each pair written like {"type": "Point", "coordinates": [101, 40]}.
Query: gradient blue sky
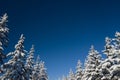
{"type": "Point", "coordinates": [61, 30]}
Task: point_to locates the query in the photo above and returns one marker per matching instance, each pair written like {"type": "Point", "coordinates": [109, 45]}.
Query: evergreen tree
{"type": "Point", "coordinates": [71, 75]}
{"type": "Point", "coordinates": [15, 69]}
{"type": "Point", "coordinates": [93, 60]}
{"type": "Point", "coordinates": [115, 69]}
{"type": "Point", "coordinates": [3, 36]}
{"type": "Point", "coordinates": [108, 62]}
{"type": "Point", "coordinates": [43, 73]}
{"type": "Point", "coordinates": [64, 78]}
{"type": "Point", "coordinates": [79, 72]}
{"type": "Point", "coordinates": [111, 65]}
{"type": "Point", "coordinates": [36, 71]}
{"type": "Point", "coordinates": [30, 63]}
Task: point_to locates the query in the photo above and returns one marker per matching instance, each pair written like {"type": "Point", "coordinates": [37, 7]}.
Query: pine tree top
{"type": "Point", "coordinates": [4, 19]}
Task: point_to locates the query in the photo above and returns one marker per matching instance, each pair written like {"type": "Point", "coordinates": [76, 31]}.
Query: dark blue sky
{"type": "Point", "coordinates": [61, 30]}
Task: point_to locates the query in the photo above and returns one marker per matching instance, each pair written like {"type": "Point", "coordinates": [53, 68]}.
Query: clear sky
{"type": "Point", "coordinates": [61, 30]}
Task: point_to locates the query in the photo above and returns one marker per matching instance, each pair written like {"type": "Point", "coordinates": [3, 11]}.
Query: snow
{"type": "Point", "coordinates": [21, 64]}
{"type": "Point", "coordinates": [3, 36]}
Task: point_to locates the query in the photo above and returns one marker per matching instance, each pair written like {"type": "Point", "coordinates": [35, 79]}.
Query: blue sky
{"type": "Point", "coordinates": [61, 30]}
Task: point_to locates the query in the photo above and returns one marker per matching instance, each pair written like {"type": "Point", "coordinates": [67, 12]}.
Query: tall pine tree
{"type": "Point", "coordinates": [111, 65]}
{"type": "Point", "coordinates": [115, 69]}
{"type": "Point", "coordinates": [43, 73]}
{"type": "Point", "coordinates": [36, 71]}
{"type": "Point", "coordinates": [64, 78]}
{"type": "Point", "coordinates": [15, 68]}
{"type": "Point", "coordinates": [71, 75]}
{"type": "Point", "coordinates": [30, 63]}
{"type": "Point", "coordinates": [79, 72]}
{"type": "Point", "coordinates": [3, 36]}
{"type": "Point", "coordinates": [93, 60]}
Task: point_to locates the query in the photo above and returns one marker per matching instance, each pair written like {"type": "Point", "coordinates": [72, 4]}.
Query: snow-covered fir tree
{"type": "Point", "coordinates": [64, 78]}
{"type": "Point", "coordinates": [71, 75]}
{"type": "Point", "coordinates": [115, 69]}
{"type": "Point", "coordinates": [39, 72]}
{"type": "Point", "coordinates": [43, 73]}
{"type": "Point", "coordinates": [93, 60]}
{"type": "Point", "coordinates": [30, 63]}
{"type": "Point", "coordinates": [3, 36]}
{"type": "Point", "coordinates": [79, 72]}
{"type": "Point", "coordinates": [108, 62]}
{"type": "Point", "coordinates": [15, 69]}
{"type": "Point", "coordinates": [36, 71]}
{"type": "Point", "coordinates": [111, 65]}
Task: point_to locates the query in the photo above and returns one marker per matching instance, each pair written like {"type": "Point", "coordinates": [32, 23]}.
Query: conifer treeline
{"type": "Point", "coordinates": [96, 68]}
{"type": "Point", "coordinates": [21, 64]}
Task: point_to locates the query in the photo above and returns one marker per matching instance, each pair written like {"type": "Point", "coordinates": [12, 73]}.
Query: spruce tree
{"type": "Point", "coordinates": [15, 67]}
{"type": "Point", "coordinates": [79, 72]}
{"type": "Point", "coordinates": [71, 75]}
{"type": "Point", "coordinates": [64, 78]}
{"type": "Point", "coordinates": [115, 68]}
{"type": "Point", "coordinates": [93, 60]}
{"type": "Point", "coordinates": [36, 71]}
{"type": "Point", "coordinates": [43, 73]}
{"type": "Point", "coordinates": [3, 36]}
{"type": "Point", "coordinates": [111, 65]}
{"type": "Point", "coordinates": [30, 63]}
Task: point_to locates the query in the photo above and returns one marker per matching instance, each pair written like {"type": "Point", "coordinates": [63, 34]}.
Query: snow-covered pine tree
{"type": "Point", "coordinates": [64, 78]}
{"type": "Point", "coordinates": [36, 71]}
{"type": "Point", "coordinates": [108, 62]}
{"type": "Point", "coordinates": [115, 68]}
{"type": "Point", "coordinates": [93, 60]}
{"type": "Point", "coordinates": [79, 72]}
{"type": "Point", "coordinates": [30, 63]}
{"type": "Point", "coordinates": [43, 73]}
{"type": "Point", "coordinates": [3, 36]}
{"type": "Point", "coordinates": [15, 67]}
{"type": "Point", "coordinates": [71, 75]}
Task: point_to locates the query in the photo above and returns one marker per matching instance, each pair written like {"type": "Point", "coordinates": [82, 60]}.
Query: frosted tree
{"type": "Point", "coordinates": [43, 73]}
{"type": "Point", "coordinates": [109, 48]}
{"type": "Point", "coordinates": [109, 61]}
{"type": "Point", "coordinates": [115, 59]}
{"type": "Point", "coordinates": [3, 36]}
{"type": "Point", "coordinates": [39, 72]}
{"type": "Point", "coordinates": [110, 67]}
{"type": "Point", "coordinates": [64, 78]}
{"type": "Point", "coordinates": [93, 60]}
{"type": "Point", "coordinates": [79, 72]}
{"type": "Point", "coordinates": [15, 69]}
{"type": "Point", "coordinates": [71, 75]}
{"type": "Point", "coordinates": [30, 63]}
{"type": "Point", "coordinates": [115, 69]}
{"type": "Point", "coordinates": [117, 42]}
{"type": "Point", "coordinates": [36, 71]}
